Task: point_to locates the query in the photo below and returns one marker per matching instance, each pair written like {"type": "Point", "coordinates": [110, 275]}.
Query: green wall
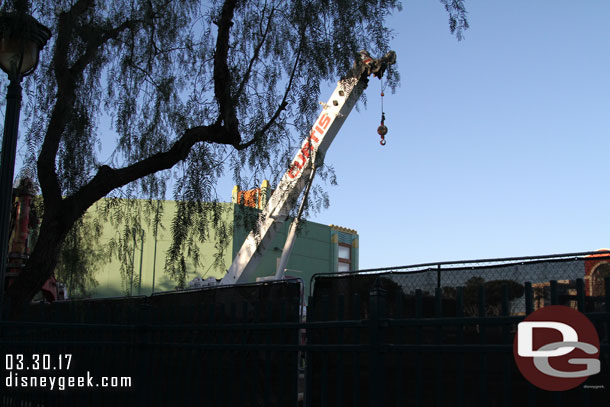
{"type": "Point", "coordinates": [313, 252]}
{"type": "Point", "coordinates": [147, 263]}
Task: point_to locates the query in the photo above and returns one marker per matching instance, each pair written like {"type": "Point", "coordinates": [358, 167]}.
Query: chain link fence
{"type": "Point", "coordinates": [592, 267]}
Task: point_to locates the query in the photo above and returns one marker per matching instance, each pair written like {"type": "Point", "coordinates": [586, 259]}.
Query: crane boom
{"type": "Point", "coordinates": [311, 153]}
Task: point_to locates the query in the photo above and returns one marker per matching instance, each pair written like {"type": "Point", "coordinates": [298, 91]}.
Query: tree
{"type": "Point", "coordinates": [200, 88]}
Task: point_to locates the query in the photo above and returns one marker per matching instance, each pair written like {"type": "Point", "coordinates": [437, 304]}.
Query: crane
{"type": "Point", "coordinates": [302, 169]}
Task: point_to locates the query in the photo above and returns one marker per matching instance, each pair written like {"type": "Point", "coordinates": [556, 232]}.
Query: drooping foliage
{"type": "Point", "coordinates": [80, 258]}
{"type": "Point", "coordinates": [157, 99]}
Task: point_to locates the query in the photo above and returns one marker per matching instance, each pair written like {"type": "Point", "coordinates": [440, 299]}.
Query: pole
{"type": "Point", "coordinates": [154, 265]}
{"type": "Point", "coordinates": [141, 258]}
{"type": "Point", "coordinates": [438, 276]}
{"type": "Point", "coordinates": [133, 263]}
{"type": "Point", "coordinates": [7, 170]}
{"type": "Point", "coordinates": [155, 252]}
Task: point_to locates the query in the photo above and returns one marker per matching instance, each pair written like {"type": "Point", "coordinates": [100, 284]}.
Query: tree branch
{"type": "Point", "coordinates": [254, 57]}
{"type": "Point", "coordinates": [100, 37]}
{"type": "Point", "coordinates": [67, 79]}
{"type": "Point", "coordinates": [47, 175]}
{"type": "Point", "coordinates": [108, 179]}
{"type": "Point", "coordinates": [260, 133]}
{"type": "Point", "coordinates": [222, 76]}
{"type": "Point", "coordinates": [65, 26]}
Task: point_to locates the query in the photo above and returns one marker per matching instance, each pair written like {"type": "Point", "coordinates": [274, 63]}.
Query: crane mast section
{"type": "Point", "coordinates": [293, 182]}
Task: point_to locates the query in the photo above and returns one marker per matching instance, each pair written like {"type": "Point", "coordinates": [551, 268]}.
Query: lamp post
{"type": "Point", "coordinates": [21, 39]}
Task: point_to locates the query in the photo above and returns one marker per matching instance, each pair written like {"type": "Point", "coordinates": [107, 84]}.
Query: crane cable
{"type": "Point", "coordinates": [382, 130]}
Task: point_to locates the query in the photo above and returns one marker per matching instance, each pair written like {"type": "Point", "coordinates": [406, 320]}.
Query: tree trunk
{"type": "Point", "coordinates": [40, 266]}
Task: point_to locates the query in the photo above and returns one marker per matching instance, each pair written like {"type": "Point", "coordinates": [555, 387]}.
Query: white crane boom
{"type": "Point", "coordinates": [312, 153]}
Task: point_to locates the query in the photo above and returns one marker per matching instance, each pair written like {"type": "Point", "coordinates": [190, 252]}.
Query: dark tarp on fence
{"type": "Point", "coordinates": [421, 349]}
{"type": "Point", "coordinates": [177, 348]}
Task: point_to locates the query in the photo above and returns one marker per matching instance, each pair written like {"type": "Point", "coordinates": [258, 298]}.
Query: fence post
{"type": "Point", "coordinates": [438, 313]}
{"type": "Point", "coordinates": [554, 296]}
{"type": "Point", "coordinates": [580, 294]}
{"type": "Point", "coordinates": [340, 356]}
{"type": "Point", "coordinates": [438, 276]}
{"type": "Point", "coordinates": [419, 380]}
{"type": "Point", "coordinates": [377, 307]}
{"type": "Point", "coordinates": [529, 298]}
{"type": "Point", "coordinates": [607, 292]}
{"type": "Point", "coordinates": [482, 340]}
{"type": "Point", "coordinates": [607, 306]}
{"type": "Point", "coordinates": [357, 315]}
{"type": "Point", "coordinates": [308, 354]}
{"type": "Point", "coordinates": [459, 313]}
{"type": "Point", "coordinates": [505, 312]}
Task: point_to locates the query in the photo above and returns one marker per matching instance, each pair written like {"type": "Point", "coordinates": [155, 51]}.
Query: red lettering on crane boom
{"type": "Point", "coordinates": [309, 146]}
{"type": "Point", "coordinates": [324, 121]}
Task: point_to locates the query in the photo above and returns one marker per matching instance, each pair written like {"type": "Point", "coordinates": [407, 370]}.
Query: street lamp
{"type": "Point", "coordinates": [21, 39]}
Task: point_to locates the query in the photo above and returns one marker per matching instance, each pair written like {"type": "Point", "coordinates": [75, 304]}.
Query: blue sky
{"type": "Point", "coordinates": [497, 146]}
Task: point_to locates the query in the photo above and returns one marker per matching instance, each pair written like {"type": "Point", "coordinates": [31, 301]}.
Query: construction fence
{"type": "Point", "coordinates": [215, 347]}
{"type": "Point", "coordinates": [443, 334]}
{"type": "Point", "coordinates": [592, 267]}
{"type": "Point", "coordinates": [369, 339]}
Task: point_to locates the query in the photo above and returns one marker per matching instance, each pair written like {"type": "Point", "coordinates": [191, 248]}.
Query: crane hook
{"type": "Point", "coordinates": [382, 130]}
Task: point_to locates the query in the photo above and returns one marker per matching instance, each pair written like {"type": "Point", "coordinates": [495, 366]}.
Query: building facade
{"type": "Point", "coordinates": [318, 249]}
